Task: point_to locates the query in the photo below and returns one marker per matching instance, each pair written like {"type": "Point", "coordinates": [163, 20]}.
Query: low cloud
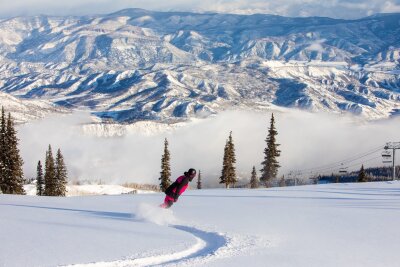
{"type": "Point", "coordinates": [308, 140]}
{"type": "Point", "coordinates": [317, 46]}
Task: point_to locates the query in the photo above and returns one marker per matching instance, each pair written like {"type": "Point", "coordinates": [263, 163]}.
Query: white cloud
{"type": "Point", "coordinates": [335, 8]}
{"type": "Point", "coordinates": [317, 46]}
{"type": "Point", "coordinates": [307, 140]}
{"type": "Point", "coordinates": [390, 7]}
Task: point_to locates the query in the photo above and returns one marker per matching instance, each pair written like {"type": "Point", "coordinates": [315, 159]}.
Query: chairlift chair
{"type": "Point", "coordinates": [386, 157]}
{"type": "Point", "coordinates": [342, 169]}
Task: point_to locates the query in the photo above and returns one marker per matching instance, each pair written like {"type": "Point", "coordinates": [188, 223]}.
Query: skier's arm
{"type": "Point", "coordinates": [169, 190]}
{"type": "Point", "coordinates": [179, 187]}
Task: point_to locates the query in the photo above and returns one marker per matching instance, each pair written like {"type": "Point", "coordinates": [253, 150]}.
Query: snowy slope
{"type": "Point", "coordinates": [324, 225]}
{"type": "Point", "coordinates": [92, 189]}
{"type": "Point", "coordinates": [26, 110]}
{"type": "Point", "coordinates": [136, 65]}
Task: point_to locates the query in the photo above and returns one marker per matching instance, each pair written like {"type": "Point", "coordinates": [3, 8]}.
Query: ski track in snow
{"type": "Point", "coordinates": [207, 243]}
{"type": "Point", "coordinates": [234, 245]}
{"type": "Point", "coordinates": [208, 246]}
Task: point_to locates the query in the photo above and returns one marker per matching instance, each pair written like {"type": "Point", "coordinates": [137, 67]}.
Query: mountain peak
{"type": "Point", "coordinates": [115, 64]}
{"type": "Point", "coordinates": [379, 15]}
{"type": "Point", "coordinates": [131, 12]}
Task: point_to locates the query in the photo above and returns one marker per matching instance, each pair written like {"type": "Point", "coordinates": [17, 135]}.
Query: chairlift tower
{"type": "Point", "coordinates": [394, 146]}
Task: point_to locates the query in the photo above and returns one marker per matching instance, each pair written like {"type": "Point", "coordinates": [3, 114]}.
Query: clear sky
{"type": "Point", "coordinates": [331, 8]}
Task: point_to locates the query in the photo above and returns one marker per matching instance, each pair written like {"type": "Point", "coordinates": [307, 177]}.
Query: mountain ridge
{"type": "Point", "coordinates": [135, 64]}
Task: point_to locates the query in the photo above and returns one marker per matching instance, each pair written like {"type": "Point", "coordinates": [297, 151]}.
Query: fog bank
{"type": "Point", "coordinates": [308, 140]}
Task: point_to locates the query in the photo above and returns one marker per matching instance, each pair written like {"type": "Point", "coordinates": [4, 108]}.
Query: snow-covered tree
{"type": "Point", "coordinates": [165, 173]}
{"type": "Point", "coordinates": [49, 174]}
{"type": "Point", "coordinates": [271, 152]}
{"type": "Point", "coordinates": [39, 180]}
{"type": "Point", "coordinates": [60, 175]}
{"type": "Point", "coordinates": [228, 173]}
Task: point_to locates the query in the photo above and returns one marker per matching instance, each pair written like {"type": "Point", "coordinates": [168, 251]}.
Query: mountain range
{"type": "Point", "coordinates": [136, 65]}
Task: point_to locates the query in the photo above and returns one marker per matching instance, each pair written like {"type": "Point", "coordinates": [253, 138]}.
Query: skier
{"type": "Point", "coordinates": [177, 188]}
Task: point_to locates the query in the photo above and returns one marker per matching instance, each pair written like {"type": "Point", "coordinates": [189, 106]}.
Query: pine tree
{"type": "Point", "coordinates": [228, 175]}
{"type": "Point", "coordinates": [232, 157]}
{"type": "Point", "coordinates": [13, 176]}
{"type": "Point", "coordinates": [271, 152]}
{"type": "Point", "coordinates": [39, 180]}
{"type": "Point", "coordinates": [254, 179]}
{"type": "Point", "coordinates": [362, 176]}
{"type": "Point", "coordinates": [282, 182]}
{"type": "Point", "coordinates": [165, 168]}
{"type": "Point", "coordinates": [3, 130]}
{"type": "Point", "coordinates": [222, 178]}
{"type": "Point", "coordinates": [199, 180]}
{"type": "Point", "coordinates": [60, 175]}
{"type": "Point", "coordinates": [50, 174]}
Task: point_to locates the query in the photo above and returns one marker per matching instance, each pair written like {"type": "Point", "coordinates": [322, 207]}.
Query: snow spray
{"type": "Point", "coordinates": [154, 214]}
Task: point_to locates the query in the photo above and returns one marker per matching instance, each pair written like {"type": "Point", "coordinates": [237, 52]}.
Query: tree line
{"type": "Point", "coordinates": [270, 164]}
{"type": "Point", "coordinates": [54, 179]}
{"type": "Point", "coordinates": [49, 182]}
{"type": "Point", "coordinates": [373, 174]}
{"type": "Point", "coordinates": [269, 171]}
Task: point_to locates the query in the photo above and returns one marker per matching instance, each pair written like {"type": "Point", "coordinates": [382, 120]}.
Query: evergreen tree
{"type": "Point", "coordinates": [199, 186]}
{"type": "Point", "coordinates": [49, 174]}
{"type": "Point", "coordinates": [60, 175]}
{"type": "Point", "coordinates": [271, 152]}
{"type": "Point", "coordinates": [282, 182]}
{"type": "Point", "coordinates": [232, 157]}
{"type": "Point", "coordinates": [39, 180]}
{"type": "Point", "coordinates": [3, 122]}
{"type": "Point", "coordinates": [12, 174]}
{"type": "Point", "coordinates": [165, 168]}
{"type": "Point", "coordinates": [222, 178]}
{"type": "Point", "coordinates": [228, 175]}
{"type": "Point", "coordinates": [254, 179]}
{"type": "Point", "coordinates": [362, 176]}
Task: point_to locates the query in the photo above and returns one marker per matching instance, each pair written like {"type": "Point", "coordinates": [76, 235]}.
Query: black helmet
{"type": "Point", "coordinates": [191, 173]}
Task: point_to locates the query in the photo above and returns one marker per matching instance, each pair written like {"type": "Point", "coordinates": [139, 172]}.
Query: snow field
{"type": "Point", "coordinates": [323, 225]}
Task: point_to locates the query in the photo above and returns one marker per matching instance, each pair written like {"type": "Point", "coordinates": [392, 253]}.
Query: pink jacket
{"type": "Point", "coordinates": [180, 184]}
{"type": "Point", "coordinates": [179, 180]}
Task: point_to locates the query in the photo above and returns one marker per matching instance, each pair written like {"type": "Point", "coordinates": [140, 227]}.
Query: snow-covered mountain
{"type": "Point", "coordinates": [24, 110]}
{"type": "Point", "coordinates": [137, 65]}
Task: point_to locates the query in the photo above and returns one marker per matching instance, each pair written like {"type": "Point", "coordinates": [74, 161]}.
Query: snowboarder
{"type": "Point", "coordinates": [177, 188]}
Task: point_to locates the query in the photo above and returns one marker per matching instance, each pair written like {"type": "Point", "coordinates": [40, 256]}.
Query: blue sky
{"type": "Point", "coordinates": [349, 9]}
